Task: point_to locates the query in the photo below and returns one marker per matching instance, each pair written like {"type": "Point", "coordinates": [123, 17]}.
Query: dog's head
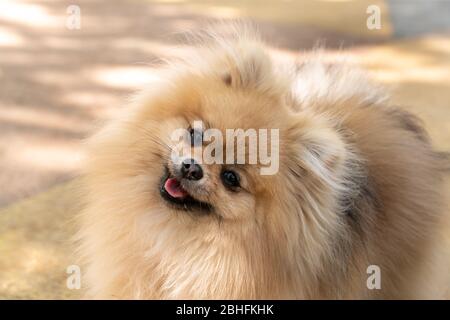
{"type": "Point", "coordinates": [216, 152]}
{"type": "Point", "coordinates": [218, 139]}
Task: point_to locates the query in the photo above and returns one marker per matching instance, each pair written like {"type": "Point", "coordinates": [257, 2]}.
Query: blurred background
{"type": "Point", "coordinates": [66, 66]}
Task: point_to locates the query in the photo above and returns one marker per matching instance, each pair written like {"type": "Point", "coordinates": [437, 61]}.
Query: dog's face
{"type": "Point", "coordinates": [192, 184]}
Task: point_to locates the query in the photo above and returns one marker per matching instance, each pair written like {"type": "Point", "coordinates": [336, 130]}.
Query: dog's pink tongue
{"type": "Point", "coordinates": [174, 188]}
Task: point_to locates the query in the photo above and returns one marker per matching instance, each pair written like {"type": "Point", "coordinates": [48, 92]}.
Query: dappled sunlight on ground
{"type": "Point", "coordinates": [28, 14]}
{"type": "Point", "coordinates": [10, 38]}
{"type": "Point", "coordinates": [124, 77]}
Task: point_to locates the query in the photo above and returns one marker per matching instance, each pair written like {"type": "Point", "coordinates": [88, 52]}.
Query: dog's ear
{"type": "Point", "coordinates": [317, 147]}
{"type": "Point", "coordinates": [249, 66]}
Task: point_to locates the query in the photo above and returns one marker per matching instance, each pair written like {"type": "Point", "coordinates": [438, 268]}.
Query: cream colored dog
{"type": "Point", "coordinates": [358, 185]}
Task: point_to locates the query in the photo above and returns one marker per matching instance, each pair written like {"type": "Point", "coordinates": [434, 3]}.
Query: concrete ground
{"type": "Point", "coordinates": [57, 85]}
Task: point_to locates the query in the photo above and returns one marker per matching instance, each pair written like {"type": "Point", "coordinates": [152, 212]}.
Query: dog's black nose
{"type": "Point", "coordinates": [191, 170]}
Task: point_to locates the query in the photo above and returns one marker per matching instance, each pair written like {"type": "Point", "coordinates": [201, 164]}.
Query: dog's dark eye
{"type": "Point", "coordinates": [230, 179]}
{"type": "Point", "coordinates": [196, 137]}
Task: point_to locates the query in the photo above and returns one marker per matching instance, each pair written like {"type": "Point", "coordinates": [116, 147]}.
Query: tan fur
{"type": "Point", "coordinates": [358, 185]}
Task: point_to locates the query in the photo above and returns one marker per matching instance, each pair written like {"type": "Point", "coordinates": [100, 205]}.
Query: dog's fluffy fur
{"type": "Point", "coordinates": [358, 185]}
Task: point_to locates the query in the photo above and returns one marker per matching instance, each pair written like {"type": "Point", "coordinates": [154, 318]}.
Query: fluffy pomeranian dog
{"type": "Point", "coordinates": [358, 187]}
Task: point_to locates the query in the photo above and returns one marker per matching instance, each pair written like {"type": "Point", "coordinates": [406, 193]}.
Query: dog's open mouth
{"type": "Point", "coordinates": [173, 192]}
